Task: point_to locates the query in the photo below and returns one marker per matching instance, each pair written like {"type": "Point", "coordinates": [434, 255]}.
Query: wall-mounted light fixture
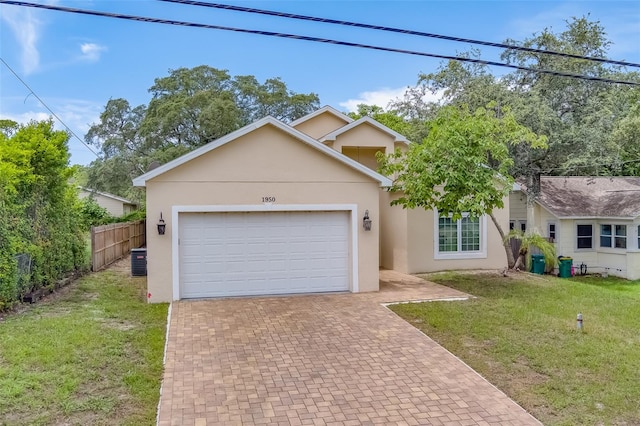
{"type": "Point", "coordinates": [161, 225]}
{"type": "Point", "coordinates": [366, 222]}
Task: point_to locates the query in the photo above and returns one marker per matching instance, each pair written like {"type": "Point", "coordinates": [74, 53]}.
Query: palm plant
{"type": "Point", "coordinates": [529, 240]}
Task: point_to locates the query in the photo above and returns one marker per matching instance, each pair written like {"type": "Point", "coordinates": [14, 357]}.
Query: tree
{"type": "Point", "coordinates": [189, 108]}
{"type": "Point", "coordinates": [39, 210]}
{"type": "Point", "coordinates": [576, 115]}
{"type": "Point", "coordinates": [463, 165]}
{"type": "Point", "coordinates": [529, 240]}
{"type": "Point", "coordinates": [194, 106]}
{"type": "Point", "coordinates": [626, 137]}
{"type": "Point", "coordinates": [390, 118]}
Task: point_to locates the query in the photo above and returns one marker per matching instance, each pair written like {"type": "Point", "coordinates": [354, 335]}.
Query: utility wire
{"type": "Point", "coordinates": [397, 30]}
{"type": "Point", "coordinates": [48, 109]}
{"type": "Point", "coordinates": [313, 39]}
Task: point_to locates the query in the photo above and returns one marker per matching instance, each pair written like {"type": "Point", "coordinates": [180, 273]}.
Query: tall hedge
{"type": "Point", "coordinates": [40, 215]}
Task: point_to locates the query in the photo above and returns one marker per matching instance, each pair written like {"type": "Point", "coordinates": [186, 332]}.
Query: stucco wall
{"type": "Point", "coordinates": [421, 244]}
{"type": "Point", "coordinates": [363, 155]}
{"type": "Point", "coordinates": [365, 135]}
{"type": "Point", "coordinates": [320, 125]}
{"type": "Point", "coordinates": [264, 163]}
{"type": "Point", "coordinates": [393, 234]}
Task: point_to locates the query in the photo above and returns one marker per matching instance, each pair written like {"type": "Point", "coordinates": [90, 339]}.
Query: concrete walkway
{"type": "Point", "coordinates": [341, 359]}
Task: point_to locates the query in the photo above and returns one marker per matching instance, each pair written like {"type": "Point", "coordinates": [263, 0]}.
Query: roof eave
{"type": "Point", "coordinates": [141, 181]}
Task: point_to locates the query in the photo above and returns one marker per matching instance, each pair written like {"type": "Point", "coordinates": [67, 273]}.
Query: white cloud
{"type": "Point", "coordinates": [380, 98]}
{"type": "Point", "coordinates": [26, 117]}
{"type": "Point", "coordinates": [383, 97]}
{"type": "Point", "coordinates": [91, 52]}
{"type": "Point", "coordinates": [26, 29]}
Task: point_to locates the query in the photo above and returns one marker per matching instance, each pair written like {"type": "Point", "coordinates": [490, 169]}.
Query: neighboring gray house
{"type": "Point", "coordinates": [116, 206]}
{"type": "Point", "coordinates": [594, 220]}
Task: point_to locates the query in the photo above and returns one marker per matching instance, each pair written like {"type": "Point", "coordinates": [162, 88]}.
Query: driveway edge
{"type": "Point", "coordinates": [164, 361]}
{"type": "Point", "coordinates": [454, 299]}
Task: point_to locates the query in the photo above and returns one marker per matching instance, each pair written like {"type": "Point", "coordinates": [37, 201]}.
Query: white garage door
{"type": "Point", "coordinates": [254, 253]}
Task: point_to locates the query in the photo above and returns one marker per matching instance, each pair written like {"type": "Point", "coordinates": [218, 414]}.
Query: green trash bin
{"type": "Point", "coordinates": [537, 264]}
{"type": "Point", "coordinates": [564, 266]}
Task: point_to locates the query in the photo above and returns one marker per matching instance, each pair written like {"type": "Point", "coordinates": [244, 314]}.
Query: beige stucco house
{"type": "Point", "coordinates": [594, 220]}
{"type": "Point", "coordinates": [116, 206]}
{"type": "Point", "coordinates": [277, 208]}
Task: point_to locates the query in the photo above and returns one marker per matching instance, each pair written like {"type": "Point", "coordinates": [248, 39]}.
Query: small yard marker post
{"type": "Point", "coordinates": [579, 321]}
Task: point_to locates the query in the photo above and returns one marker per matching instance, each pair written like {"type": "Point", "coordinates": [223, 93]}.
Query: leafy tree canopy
{"type": "Point", "coordinates": [188, 108]}
{"type": "Point", "coordinates": [588, 124]}
{"type": "Point", "coordinates": [463, 164]}
{"type": "Point", "coordinates": [40, 217]}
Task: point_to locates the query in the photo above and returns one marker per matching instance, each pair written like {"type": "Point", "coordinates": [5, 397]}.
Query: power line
{"type": "Point", "coordinates": [31, 92]}
{"type": "Point", "coordinates": [397, 30]}
{"type": "Point", "coordinates": [313, 39]}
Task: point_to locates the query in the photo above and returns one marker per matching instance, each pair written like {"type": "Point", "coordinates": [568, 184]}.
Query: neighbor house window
{"type": "Point", "coordinates": [512, 225]}
{"type": "Point", "coordinates": [620, 236]}
{"type": "Point", "coordinates": [613, 236]}
{"type": "Point", "coordinates": [463, 237]}
{"type": "Point", "coordinates": [523, 226]}
{"type": "Point", "coordinates": [551, 231]}
{"type": "Point", "coordinates": [585, 236]}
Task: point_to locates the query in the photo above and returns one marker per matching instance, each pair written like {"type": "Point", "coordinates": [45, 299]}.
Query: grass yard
{"type": "Point", "coordinates": [520, 333]}
{"type": "Point", "coordinates": [92, 355]}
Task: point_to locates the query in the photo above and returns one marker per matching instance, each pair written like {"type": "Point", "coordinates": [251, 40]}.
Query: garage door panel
{"type": "Point", "coordinates": [231, 254]}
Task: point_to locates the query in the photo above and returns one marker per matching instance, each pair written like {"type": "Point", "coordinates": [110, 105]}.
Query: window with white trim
{"type": "Point", "coordinates": [585, 236]}
{"type": "Point", "coordinates": [463, 236]}
{"type": "Point", "coordinates": [614, 236]}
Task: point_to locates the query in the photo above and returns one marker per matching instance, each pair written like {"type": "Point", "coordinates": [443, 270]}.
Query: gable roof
{"type": "Point", "coordinates": [333, 135]}
{"type": "Point", "coordinates": [324, 109]}
{"type": "Point", "coordinates": [107, 195]}
{"type": "Point", "coordinates": [141, 180]}
{"type": "Point", "coordinates": [590, 197]}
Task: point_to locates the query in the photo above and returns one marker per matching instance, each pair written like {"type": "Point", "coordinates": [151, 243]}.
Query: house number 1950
{"type": "Point", "coordinates": [268, 199]}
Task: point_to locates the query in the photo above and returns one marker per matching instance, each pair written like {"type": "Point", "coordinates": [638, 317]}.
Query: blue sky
{"type": "Point", "coordinates": [76, 63]}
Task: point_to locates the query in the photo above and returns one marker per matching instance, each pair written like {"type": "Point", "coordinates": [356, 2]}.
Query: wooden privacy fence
{"type": "Point", "coordinates": [114, 241]}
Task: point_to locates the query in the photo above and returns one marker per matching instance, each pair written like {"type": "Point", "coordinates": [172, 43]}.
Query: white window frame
{"type": "Point", "coordinates": [479, 254]}
{"type": "Point", "coordinates": [594, 235]}
{"type": "Point", "coordinates": [613, 236]}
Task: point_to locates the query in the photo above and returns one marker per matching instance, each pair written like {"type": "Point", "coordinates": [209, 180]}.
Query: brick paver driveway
{"type": "Point", "coordinates": [341, 359]}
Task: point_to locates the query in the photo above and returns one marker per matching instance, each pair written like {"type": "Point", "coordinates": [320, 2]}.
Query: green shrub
{"type": "Point", "coordinates": [93, 214]}
{"type": "Point", "coordinates": [41, 215]}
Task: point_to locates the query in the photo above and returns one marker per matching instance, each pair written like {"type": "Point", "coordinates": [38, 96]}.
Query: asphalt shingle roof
{"type": "Point", "coordinates": [578, 196]}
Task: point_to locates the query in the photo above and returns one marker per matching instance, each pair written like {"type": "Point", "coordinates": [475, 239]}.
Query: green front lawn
{"type": "Point", "coordinates": [90, 356]}
{"type": "Point", "coordinates": [520, 333]}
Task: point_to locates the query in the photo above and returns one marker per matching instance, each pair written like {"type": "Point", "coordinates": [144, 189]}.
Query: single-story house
{"type": "Point", "coordinates": [116, 206]}
{"type": "Point", "coordinates": [276, 208]}
{"type": "Point", "coordinates": [594, 220]}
